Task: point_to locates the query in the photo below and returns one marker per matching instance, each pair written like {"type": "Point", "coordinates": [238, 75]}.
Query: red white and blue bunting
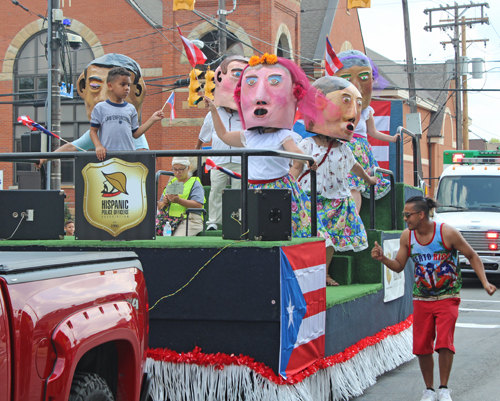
{"type": "Point", "coordinates": [205, 377]}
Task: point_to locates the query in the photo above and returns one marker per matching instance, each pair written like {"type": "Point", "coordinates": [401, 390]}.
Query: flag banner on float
{"type": "Point", "coordinates": [33, 126]}
{"type": "Point", "coordinates": [303, 307]}
{"type": "Point", "coordinates": [210, 164]}
{"type": "Point", "coordinates": [394, 283]}
{"type": "Point", "coordinates": [194, 55]}
{"type": "Point", "coordinates": [332, 62]}
{"type": "Point", "coordinates": [382, 117]}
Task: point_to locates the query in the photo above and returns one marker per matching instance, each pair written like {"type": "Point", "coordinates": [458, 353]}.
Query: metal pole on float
{"type": "Point", "coordinates": [54, 91]}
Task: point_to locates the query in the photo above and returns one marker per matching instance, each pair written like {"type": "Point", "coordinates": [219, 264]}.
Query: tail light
{"type": "Point", "coordinates": [458, 157]}
{"type": "Point", "coordinates": [493, 247]}
{"type": "Point", "coordinates": [492, 235]}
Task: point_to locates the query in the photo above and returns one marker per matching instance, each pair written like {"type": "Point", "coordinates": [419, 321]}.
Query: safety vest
{"type": "Point", "coordinates": [175, 209]}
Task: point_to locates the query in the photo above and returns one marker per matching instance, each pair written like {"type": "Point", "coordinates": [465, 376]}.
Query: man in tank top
{"type": "Point", "coordinates": [434, 248]}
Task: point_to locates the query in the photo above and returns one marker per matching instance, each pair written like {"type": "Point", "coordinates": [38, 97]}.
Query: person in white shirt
{"type": "Point", "coordinates": [226, 78]}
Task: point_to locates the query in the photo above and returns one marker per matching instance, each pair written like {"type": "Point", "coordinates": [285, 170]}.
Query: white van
{"type": "Point", "coordinates": [469, 198]}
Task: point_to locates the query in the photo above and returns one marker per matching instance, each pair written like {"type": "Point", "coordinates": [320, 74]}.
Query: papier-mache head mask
{"type": "Point", "coordinates": [269, 92]}
{"type": "Point", "coordinates": [227, 76]}
{"type": "Point", "coordinates": [340, 107]}
{"type": "Point", "coordinates": [362, 72]}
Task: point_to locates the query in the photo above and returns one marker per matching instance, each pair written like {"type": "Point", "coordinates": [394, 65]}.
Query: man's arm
{"type": "Point", "coordinates": [205, 135]}
{"type": "Point", "coordinates": [397, 265]}
{"type": "Point", "coordinates": [67, 147]}
{"type": "Point", "coordinates": [452, 237]}
{"type": "Point", "coordinates": [199, 144]}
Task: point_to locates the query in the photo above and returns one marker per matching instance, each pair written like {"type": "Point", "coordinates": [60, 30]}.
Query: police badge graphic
{"type": "Point", "coordinates": [114, 197]}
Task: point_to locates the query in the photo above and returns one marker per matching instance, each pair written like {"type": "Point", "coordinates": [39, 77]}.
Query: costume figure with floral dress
{"type": "Point", "coordinates": [363, 73]}
{"type": "Point", "coordinates": [336, 209]}
{"type": "Point", "coordinates": [268, 93]}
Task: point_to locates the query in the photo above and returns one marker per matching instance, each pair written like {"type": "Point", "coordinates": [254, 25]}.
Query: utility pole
{"type": "Point", "coordinates": [458, 20]}
{"type": "Point", "coordinates": [465, 116]}
{"type": "Point", "coordinates": [222, 26]}
{"type": "Point", "coordinates": [411, 82]}
{"type": "Point", "coordinates": [54, 88]}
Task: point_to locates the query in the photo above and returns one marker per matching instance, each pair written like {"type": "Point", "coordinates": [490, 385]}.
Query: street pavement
{"type": "Point", "coordinates": [476, 368]}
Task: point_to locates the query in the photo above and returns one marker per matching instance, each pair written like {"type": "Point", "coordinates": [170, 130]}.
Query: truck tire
{"type": "Point", "coordinates": [90, 387]}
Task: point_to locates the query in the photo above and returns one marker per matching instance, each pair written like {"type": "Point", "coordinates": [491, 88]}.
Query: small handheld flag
{"type": "Point", "coordinates": [209, 165]}
{"type": "Point", "coordinates": [171, 102]}
{"type": "Point", "coordinates": [332, 62]}
{"type": "Point", "coordinates": [28, 122]}
{"type": "Point", "coordinates": [194, 55]}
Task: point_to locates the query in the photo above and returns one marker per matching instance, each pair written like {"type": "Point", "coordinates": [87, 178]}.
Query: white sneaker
{"type": "Point", "coordinates": [444, 394]}
{"type": "Point", "coordinates": [429, 395]}
{"type": "Point", "coordinates": [211, 227]}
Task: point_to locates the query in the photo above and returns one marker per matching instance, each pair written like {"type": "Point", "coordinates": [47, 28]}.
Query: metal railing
{"type": "Point", "coordinates": [414, 140]}
{"type": "Point", "coordinates": [393, 199]}
{"type": "Point", "coordinates": [29, 157]}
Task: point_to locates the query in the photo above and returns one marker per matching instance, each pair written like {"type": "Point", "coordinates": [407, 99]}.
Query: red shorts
{"type": "Point", "coordinates": [434, 321]}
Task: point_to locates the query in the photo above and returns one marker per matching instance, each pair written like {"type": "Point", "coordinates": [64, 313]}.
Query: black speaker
{"type": "Point", "coordinates": [31, 141]}
{"type": "Point", "coordinates": [32, 215]}
{"type": "Point", "coordinates": [269, 214]}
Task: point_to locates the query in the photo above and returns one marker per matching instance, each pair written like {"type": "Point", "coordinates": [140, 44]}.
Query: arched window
{"type": "Point", "coordinates": [30, 77]}
{"type": "Point", "coordinates": [211, 48]}
{"type": "Point", "coordinates": [283, 47]}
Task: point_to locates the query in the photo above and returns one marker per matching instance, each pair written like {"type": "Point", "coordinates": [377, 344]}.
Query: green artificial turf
{"type": "Point", "coordinates": [346, 293]}
{"type": "Point", "coordinates": [159, 242]}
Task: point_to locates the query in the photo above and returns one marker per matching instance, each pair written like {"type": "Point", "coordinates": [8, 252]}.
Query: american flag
{"type": "Point", "coordinates": [303, 306]}
{"type": "Point", "coordinates": [382, 117]}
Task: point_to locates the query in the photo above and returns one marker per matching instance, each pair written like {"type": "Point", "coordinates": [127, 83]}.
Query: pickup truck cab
{"type": "Point", "coordinates": [469, 198]}
{"type": "Point", "coordinates": [73, 326]}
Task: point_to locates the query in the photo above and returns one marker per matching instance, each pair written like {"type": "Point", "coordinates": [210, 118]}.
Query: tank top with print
{"type": "Point", "coordinates": [437, 272]}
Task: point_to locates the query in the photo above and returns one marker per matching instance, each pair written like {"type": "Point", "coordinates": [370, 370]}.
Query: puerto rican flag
{"type": "Point", "coordinates": [171, 102]}
{"type": "Point", "coordinates": [382, 117]}
{"type": "Point", "coordinates": [33, 126]}
{"type": "Point", "coordinates": [210, 164]}
{"type": "Point", "coordinates": [332, 62]}
{"type": "Point", "coordinates": [303, 306]}
{"type": "Point", "coordinates": [194, 55]}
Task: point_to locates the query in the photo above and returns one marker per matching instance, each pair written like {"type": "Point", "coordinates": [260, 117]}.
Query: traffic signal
{"type": "Point", "coordinates": [209, 83]}
{"type": "Point", "coordinates": [358, 3]}
{"type": "Point", "coordinates": [194, 87]}
{"type": "Point", "coordinates": [184, 4]}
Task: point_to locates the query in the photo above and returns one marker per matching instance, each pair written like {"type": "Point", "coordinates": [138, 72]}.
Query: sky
{"type": "Point", "coordinates": [383, 31]}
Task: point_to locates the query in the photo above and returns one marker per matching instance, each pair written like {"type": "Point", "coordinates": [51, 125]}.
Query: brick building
{"type": "Point", "coordinates": [143, 30]}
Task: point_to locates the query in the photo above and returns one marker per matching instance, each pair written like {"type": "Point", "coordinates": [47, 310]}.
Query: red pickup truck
{"type": "Point", "coordinates": [73, 326]}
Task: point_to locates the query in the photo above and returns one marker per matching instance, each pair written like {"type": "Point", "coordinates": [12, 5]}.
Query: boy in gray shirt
{"type": "Point", "coordinates": [114, 122]}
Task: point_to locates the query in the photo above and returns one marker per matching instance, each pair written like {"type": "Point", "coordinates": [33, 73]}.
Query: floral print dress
{"type": "Point", "coordinates": [337, 213]}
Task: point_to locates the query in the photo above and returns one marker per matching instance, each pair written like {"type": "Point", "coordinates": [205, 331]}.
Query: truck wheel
{"type": "Point", "coordinates": [90, 387]}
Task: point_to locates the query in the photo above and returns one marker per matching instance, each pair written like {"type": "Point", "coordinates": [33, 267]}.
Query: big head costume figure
{"type": "Point", "coordinates": [92, 87]}
{"type": "Point", "coordinates": [362, 72]}
{"type": "Point", "coordinates": [341, 110]}
{"type": "Point", "coordinates": [227, 76]}
{"type": "Point", "coordinates": [269, 92]}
